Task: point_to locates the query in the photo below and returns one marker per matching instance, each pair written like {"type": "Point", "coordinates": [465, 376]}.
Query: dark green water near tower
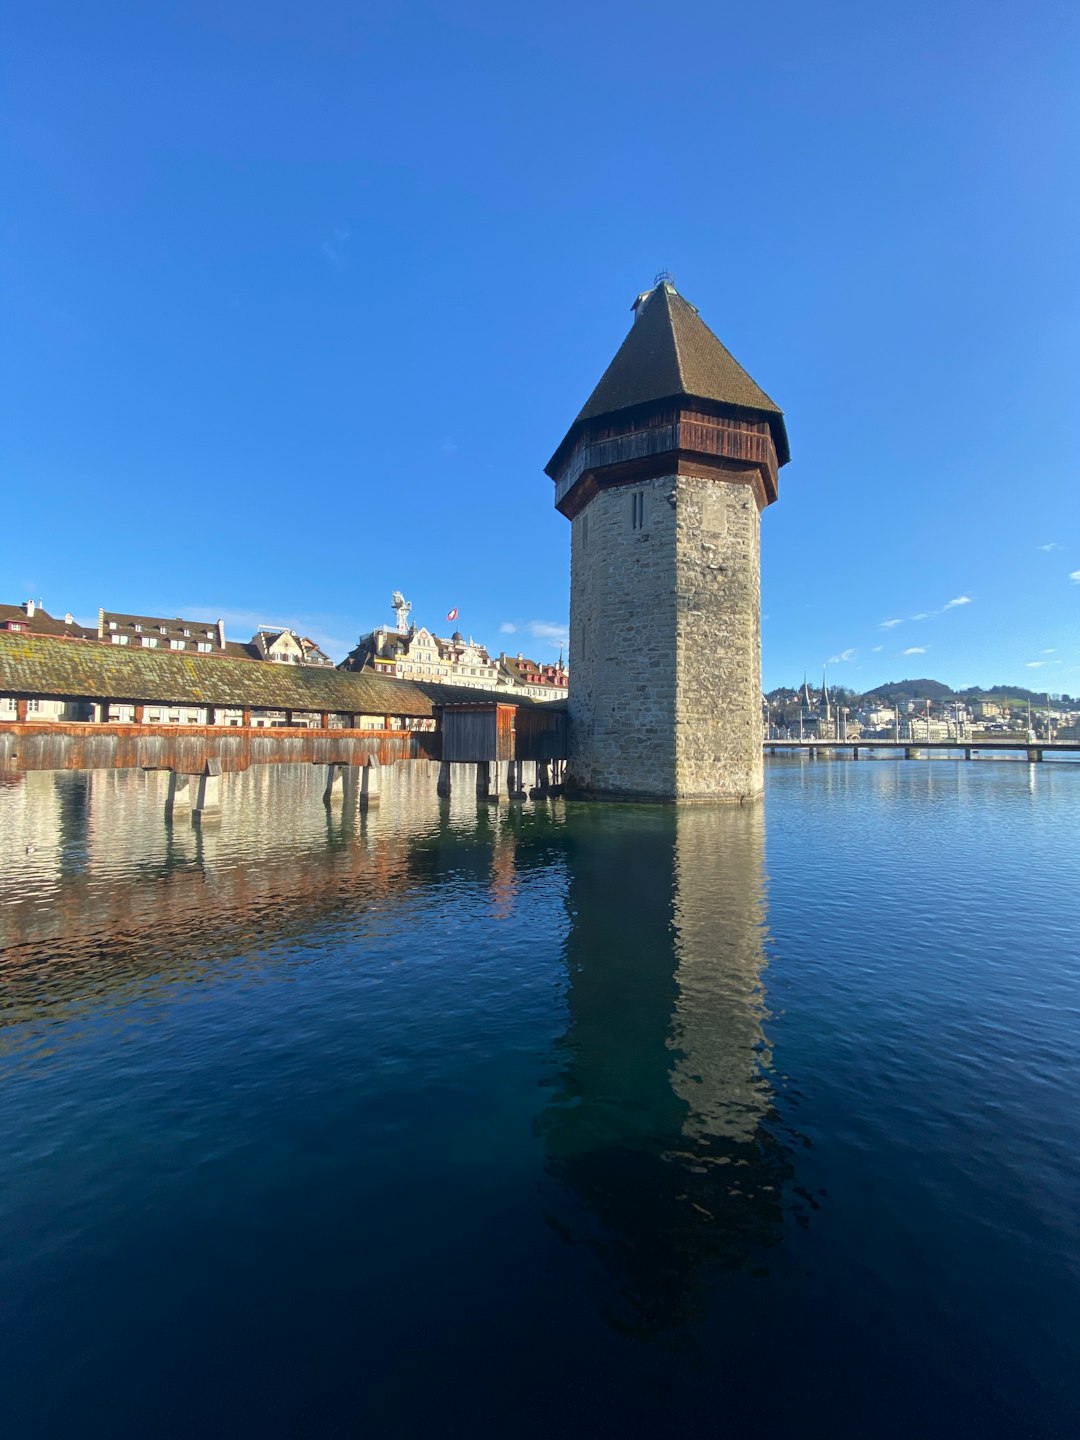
{"type": "Point", "coordinates": [548, 1120]}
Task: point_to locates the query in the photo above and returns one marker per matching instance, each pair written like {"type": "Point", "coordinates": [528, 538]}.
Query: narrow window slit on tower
{"type": "Point", "coordinates": [637, 510]}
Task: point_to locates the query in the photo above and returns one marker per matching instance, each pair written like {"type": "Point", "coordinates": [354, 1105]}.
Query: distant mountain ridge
{"type": "Point", "coordinates": [923, 689]}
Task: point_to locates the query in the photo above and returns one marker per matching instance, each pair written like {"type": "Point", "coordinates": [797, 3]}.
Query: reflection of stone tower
{"type": "Point", "coordinates": [721, 1054]}
{"type": "Point", "coordinates": [663, 1127]}
{"type": "Point", "coordinates": [663, 476]}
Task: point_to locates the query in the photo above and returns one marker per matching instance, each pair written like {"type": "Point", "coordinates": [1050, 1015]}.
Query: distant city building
{"type": "Point", "coordinates": [30, 616]}
{"type": "Point", "coordinates": [408, 652]}
{"type": "Point", "coordinates": [273, 643]}
{"type": "Point", "coordinates": [541, 682]}
{"type": "Point", "coordinates": [279, 646]}
{"type": "Point", "coordinates": [155, 632]}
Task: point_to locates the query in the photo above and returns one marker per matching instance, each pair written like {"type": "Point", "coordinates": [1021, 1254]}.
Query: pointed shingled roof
{"type": "Point", "coordinates": [670, 353]}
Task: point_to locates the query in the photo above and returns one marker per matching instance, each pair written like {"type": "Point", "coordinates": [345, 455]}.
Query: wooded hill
{"type": "Point", "coordinates": [921, 690]}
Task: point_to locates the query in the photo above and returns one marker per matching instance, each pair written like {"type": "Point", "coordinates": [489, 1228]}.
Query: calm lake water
{"type": "Point", "coordinates": [547, 1120]}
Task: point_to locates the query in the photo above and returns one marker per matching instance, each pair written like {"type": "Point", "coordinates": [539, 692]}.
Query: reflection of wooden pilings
{"type": "Point", "coordinates": [209, 800]}
{"type": "Point", "coordinates": [179, 796]}
{"type": "Point", "coordinates": [369, 784]}
{"type": "Point", "coordinates": [443, 787]}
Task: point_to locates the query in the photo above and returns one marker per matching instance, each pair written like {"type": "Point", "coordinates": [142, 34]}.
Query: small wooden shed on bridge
{"type": "Point", "coordinates": [484, 730]}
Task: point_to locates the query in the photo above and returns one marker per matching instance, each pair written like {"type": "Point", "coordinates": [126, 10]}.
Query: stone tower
{"type": "Point", "coordinates": [663, 477]}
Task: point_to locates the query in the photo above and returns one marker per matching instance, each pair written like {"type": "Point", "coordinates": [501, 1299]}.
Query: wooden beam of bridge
{"type": "Point", "coordinates": [186, 749]}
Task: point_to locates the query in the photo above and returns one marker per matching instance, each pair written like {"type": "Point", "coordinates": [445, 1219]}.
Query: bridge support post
{"type": "Point", "coordinates": [369, 784]}
{"type": "Point", "coordinates": [542, 781]}
{"type": "Point", "coordinates": [443, 787]}
{"type": "Point", "coordinates": [855, 752]}
{"type": "Point", "coordinates": [491, 780]}
{"type": "Point", "coordinates": [911, 752]}
{"type": "Point", "coordinates": [209, 799]}
{"type": "Point", "coordinates": [969, 753]}
{"type": "Point", "coordinates": [1035, 753]}
{"type": "Point", "coordinates": [515, 779]}
{"type": "Point", "coordinates": [179, 796]}
{"type": "Point", "coordinates": [334, 794]}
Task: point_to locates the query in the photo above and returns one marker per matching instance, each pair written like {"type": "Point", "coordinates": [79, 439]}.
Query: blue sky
{"type": "Point", "coordinates": [299, 299]}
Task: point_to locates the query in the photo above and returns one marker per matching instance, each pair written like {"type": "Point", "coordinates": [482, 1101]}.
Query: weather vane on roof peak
{"type": "Point", "coordinates": [664, 277]}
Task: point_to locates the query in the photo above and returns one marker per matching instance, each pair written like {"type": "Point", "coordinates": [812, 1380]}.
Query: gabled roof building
{"type": "Point", "coordinates": [29, 618]}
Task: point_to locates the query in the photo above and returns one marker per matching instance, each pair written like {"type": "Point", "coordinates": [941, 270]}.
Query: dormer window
{"type": "Point", "coordinates": [138, 627]}
{"type": "Point", "coordinates": [112, 624]}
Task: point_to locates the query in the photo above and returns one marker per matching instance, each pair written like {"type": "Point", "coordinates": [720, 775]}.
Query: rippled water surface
{"type": "Point", "coordinates": [542, 1120]}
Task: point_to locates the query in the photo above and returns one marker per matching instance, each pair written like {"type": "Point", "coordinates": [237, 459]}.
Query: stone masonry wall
{"type": "Point", "coordinates": [665, 695]}
{"type": "Point", "coordinates": [622, 643]}
{"type": "Point", "coordinates": [718, 677]}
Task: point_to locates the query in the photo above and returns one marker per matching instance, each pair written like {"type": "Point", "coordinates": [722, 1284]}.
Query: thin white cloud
{"type": "Point", "coordinates": [1047, 652]}
{"type": "Point", "coordinates": [922, 615]}
{"type": "Point", "coordinates": [334, 248]}
{"type": "Point", "coordinates": [914, 650]}
{"type": "Point", "coordinates": [876, 648]}
{"type": "Point", "coordinates": [839, 659]}
{"type": "Point", "coordinates": [548, 633]}
{"type": "Point", "coordinates": [960, 600]}
{"type": "Point", "coordinates": [1075, 577]}
{"type": "Point", "coordinates": [242, 624]}
{"type": "Point", "coordinates": [889, 624]}
{"type": "Point", "coordinates": [1052, 546]}
{"type": "Point", "coordinates": [1034, 664]}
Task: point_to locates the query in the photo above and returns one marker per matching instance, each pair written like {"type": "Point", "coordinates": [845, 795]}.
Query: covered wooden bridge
{"type": "Point", "coordinates": [76, 704]}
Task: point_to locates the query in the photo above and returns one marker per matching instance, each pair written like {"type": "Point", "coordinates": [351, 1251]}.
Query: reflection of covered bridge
{"type": "Point", "coordinates": [247, 713]}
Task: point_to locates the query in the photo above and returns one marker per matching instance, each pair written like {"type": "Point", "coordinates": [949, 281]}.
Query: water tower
{"type": "Point", "coordinates": [663, 477]}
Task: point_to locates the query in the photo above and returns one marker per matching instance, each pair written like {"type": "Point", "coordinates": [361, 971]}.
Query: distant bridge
{"type": "Point", "coordinates": [919, 749]}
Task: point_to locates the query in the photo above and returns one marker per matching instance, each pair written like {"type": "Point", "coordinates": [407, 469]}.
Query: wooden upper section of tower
{"type": "Point", "coordinates": [673, 392]}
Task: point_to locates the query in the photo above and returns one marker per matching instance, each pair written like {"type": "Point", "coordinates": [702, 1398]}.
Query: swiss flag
{"type": "Point", "coordinates": [452, 614]}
